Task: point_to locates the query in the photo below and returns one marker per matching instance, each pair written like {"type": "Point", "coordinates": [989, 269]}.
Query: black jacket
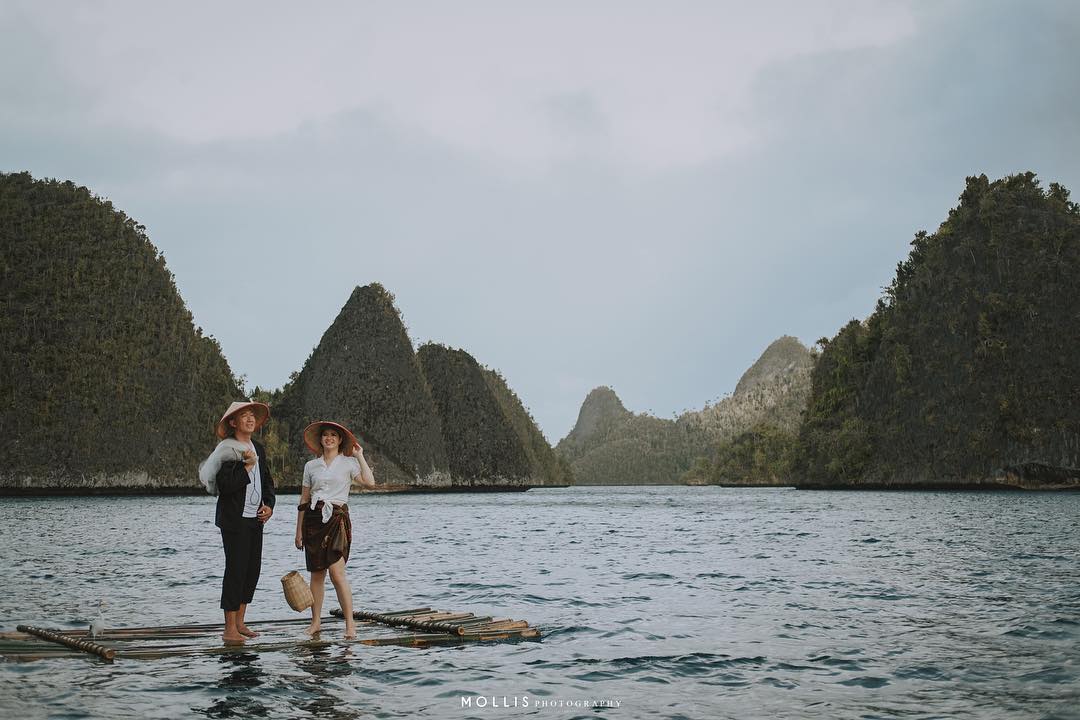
{"type": "Point", "coordinates": [232, 482]}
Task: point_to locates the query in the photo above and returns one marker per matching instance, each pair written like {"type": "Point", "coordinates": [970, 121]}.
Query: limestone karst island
{"type": "Point", "coordinates": [964, 376]}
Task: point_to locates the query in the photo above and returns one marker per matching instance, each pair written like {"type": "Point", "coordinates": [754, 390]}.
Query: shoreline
{"type": "Point", "coordinates": [201, 492]}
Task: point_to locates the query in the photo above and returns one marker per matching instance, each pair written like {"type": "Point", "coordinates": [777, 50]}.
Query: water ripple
{"type": "Point", "coordinates": [678, 602]}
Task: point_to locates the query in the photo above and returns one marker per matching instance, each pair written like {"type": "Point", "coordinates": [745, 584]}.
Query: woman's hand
{"type": "Point", "coordinates": [358, 451]}
{"type": "Point", "coordinates": [299, 541]}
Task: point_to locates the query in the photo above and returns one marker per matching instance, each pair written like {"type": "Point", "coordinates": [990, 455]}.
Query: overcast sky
{"type": "Point", "coordinates": [635, 194]}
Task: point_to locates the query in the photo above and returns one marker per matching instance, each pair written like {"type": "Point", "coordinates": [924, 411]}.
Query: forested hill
{"type": "Point", "coordinates": [611, 445]}
{"type": "Point", "coordinates": [773, 392]}
{"type": "Point", "coordinates": [490, 438]}
{"type": "Point", "coordinates": [106, 385]}
{"type": "Point", "coordinates": [430, 420]}
{"type": "Point", "coordinates": [967, 372]}
{"type": "Point", "coordinates": [105, 382]}
{"type": "Point", "coordinates": [364, 373]}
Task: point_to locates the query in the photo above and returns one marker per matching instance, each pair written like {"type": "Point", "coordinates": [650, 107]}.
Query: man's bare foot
{"type": "Point", "coordinates": [350, 631]}
{"type": "Point", "coordinates": [246, 631]}
{"type": "Point", "coordinates": [233, 638]}
{"type": "Point", "coordinates": [313, 629]}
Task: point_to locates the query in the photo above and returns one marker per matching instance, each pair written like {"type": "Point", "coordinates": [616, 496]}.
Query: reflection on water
{"type": "Point", "coordinates": [316, 696]}
{"type": "Point", "coordinates": [242, 674]}
{"type": "Point", "coordinates": [314, 692]}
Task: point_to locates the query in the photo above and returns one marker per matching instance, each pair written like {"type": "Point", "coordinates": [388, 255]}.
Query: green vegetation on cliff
{"type": "Point", "coordinates": [365, 375]}
{"type": "Point", "coordinates": [479, 440]}
{"type": "Point", "coordinates": [967, 365]}
{"type": "Point", "coordinates": [490, 438]}
{"type": "Point", "coordinates": [546, 467]}
{"type": "Point", "coordinates": [761, 456]}
{"type": "Point", "coordinates": [610, 445]}
{"type": "Point", "coordinates": [772, 391]}
{"type": "Point", "coordinates": [435, 418]}
{"type": "Point", "coordinates": [102, 371]}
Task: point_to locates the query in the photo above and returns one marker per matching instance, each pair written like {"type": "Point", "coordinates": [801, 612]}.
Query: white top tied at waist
{"type": "Point", "coordinates": [330, 483]}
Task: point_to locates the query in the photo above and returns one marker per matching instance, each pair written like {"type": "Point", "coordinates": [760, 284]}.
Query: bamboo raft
{"type": "Point", "coordinates": [415, 627]}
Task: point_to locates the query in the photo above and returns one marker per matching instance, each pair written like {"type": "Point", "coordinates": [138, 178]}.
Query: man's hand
{"type": "Point", "coordinates": [249, 459]}
{"type": "Point", "coordinates": [264, 513]}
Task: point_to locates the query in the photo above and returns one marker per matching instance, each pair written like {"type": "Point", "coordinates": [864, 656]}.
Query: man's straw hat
{"type": "Point", "coordinates": [261, 410]}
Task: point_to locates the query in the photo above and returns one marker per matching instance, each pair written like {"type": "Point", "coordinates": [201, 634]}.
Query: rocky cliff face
{"type": "Point", "coordinates": [490, 438]}
{"type": "Point", "coordinates": [610, 445]}
{"type": "Point", "coordinates": [546, 467]}
{"type": "Point", "coordinates": [773, 391]}
{"type": "Point", "coordinates": [966, 372]}
{"type": "Point", "coordinates": [602, 408]}
{"type": "Point", "coordinates": [481, 444]}
{"type": "Point", "coordinates": [104, 379]}
{"type": "Point", "coordinates": [365, 375]}
{"type": "Point", "coordinates": [785, 357]}
{"type": "Point", "coordinates": [434, 419]}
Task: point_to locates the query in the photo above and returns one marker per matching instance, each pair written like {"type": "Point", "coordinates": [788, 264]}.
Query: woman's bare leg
{"type": "Point", "coordinates": [318, 588]}
{"type": "Point", "coordinates": [344, 596]}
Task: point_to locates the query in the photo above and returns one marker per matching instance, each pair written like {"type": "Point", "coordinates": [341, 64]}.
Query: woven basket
{"type": "Point", "coordinates": [297, 592]}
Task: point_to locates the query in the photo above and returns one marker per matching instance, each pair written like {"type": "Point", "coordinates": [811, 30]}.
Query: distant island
{"type": "Point", "coordinates": [109, 387]}
{"type": "Point", "coordinates": [965, 376]}
{"type": "Point", "coordinates": [609, 445]}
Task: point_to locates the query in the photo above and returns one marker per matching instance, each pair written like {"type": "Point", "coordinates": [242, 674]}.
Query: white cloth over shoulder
{"type": "Point", "coordinates": [330, 483]}
{"type": "Point", "coordinates": [253, 495]}
{"type": "Point", "coordinates": [226, 450]}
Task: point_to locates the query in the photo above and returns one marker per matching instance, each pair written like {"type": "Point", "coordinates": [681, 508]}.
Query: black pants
{"type": "Point", "coordinates": [243, 563]}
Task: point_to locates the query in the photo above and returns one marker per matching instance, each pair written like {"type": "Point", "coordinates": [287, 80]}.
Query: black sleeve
{"type": "Point", "coordinates": [268, 495]}
{"type": "Point", "coordinates": [232, 477]}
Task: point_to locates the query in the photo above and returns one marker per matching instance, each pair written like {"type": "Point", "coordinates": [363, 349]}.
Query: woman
{"type": "Point", "coordinates": [323, 525]}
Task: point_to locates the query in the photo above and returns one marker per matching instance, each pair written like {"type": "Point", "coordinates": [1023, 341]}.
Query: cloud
{"type": "Point", "coordinates": [666, 84]}
{"type": "Point", "coordinates": [579, 195]}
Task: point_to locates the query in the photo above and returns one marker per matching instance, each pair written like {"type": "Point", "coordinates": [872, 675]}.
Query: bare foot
{"type": "Point", "coordinates": [246, 631]}
{"type": "Point", "coordinates": [313, 629]}
{"type": "Point", "coordinates": [233, 638]}
{"type": "Point", "coordinates": [350, 631]}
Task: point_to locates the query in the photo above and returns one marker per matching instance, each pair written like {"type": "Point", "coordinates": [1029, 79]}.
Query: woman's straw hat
{"type": "Point", "coordinates": [313, 437]}
{"type": "Point", "coordinates": [261, 410]}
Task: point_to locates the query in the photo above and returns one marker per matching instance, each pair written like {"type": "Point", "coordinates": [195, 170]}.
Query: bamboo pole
{"type": "Point", "coordinates": [437, 617]}
{"type": "Point", "coordinates": [195, 629]}
{"type": "Point", "coordinates": [476, 621]}
{"type": "Point", "coordinates": [105, 653]}
{"type": "Point", "coordinates": [414, 611]}
{"type": "Point", "coordinates": [442, 623]}
{"type": "Point", "coordinates": [504, 625]}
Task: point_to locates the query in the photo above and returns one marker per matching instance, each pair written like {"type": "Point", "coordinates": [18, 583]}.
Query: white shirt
{"type": "Point", "coordinates": [253, 498]}
{"type": "Point", "coordinates": [330, 483]}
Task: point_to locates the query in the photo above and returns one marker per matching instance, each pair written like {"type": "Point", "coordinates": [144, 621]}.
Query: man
{"type": "Point", "coordinates": [245, 502]}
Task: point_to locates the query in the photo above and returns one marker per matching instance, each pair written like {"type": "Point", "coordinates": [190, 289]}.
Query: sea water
{"type": "Point", "coordinates": [653, 602]}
